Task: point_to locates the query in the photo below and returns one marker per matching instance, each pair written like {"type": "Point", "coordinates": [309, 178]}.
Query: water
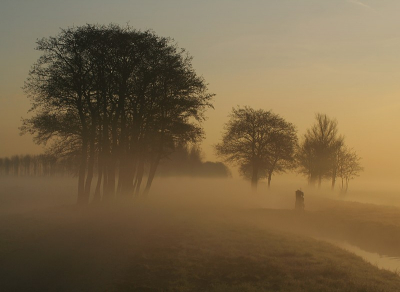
{"type": "Point", "coordinates": [381, 261]}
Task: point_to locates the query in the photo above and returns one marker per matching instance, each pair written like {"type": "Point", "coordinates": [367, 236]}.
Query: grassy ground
{"type": "Point", "coordinates": [169, 244]}
{"type": "Point", "coordinates": [236, 257]}
{"type": "Point", "coordinates": [153, 249]}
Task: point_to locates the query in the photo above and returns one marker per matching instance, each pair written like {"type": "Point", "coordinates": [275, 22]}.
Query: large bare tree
{"type": "Point", "coordinates": [123, 98]}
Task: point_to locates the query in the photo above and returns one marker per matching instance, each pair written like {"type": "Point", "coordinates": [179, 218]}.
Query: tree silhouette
{"type": "Point", "coordinates": [323, 154]}
{"type": "Point", "coordinates": [348, 166]}
{"type": "Point", "coordinates": [317, 151]}
{"type": "Point", "coordinates": [259, 141]}
{"type": "Point", "coordinates": [114, 97]}
{"type": "Point", "coordinates": [282, 150]}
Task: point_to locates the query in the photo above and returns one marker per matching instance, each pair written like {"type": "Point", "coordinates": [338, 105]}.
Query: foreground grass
{"type": "Point", "coordinates": [171, 249]}
{"type": "Point", "coordinates": [236, 257]}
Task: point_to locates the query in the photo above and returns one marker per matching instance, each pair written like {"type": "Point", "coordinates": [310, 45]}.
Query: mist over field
{"type": "Point", "coordinates": [197, 233]}
{"type": "Point", "coordinates": [20, 194]}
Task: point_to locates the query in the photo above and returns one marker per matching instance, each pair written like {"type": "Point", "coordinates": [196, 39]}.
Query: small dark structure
{"type": "Point", "coordinates": [299, 200]}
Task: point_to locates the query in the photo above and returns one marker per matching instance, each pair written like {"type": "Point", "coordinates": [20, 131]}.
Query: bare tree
{"type": "Point", "coordinates": [316, 155]}
{"type": "Point", "coordinates": [282, 151]}
{"type": "Point", "coordinates": [348, 166]}
{"type": "Point", "coordinates": [259, 141]}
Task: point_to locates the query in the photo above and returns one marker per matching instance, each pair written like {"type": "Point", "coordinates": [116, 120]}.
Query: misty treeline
{"type": "Point", "coordinates": [35, 165]}
{"type": "Point", "coordinates": [184, 161]}
{"type": "Point", "coordinates": [116, 98]}
{"type": "Point", "coordinates": [262, 143]}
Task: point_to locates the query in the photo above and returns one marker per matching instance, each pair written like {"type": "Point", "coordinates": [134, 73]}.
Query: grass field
{"type": "Point", "coordinates": [193, 245]}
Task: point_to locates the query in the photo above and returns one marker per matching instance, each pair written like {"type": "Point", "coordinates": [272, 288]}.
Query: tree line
{"type": "Point", "coordinates": [119, 102]}
{"type": "Point", "coordinates": [35, 165]}
{"type": "Point", "coordinates": [262, 143]}
{"type": "Point", "coordinates": [185, 161]}
{"type": "Point", "coordinates": [188, 161]}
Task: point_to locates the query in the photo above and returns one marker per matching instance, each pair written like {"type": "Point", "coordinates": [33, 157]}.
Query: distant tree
{"type": "Point", "coordinates": [215, 169]}
{"type": "Point", "coordinates": [26, 160]}
{"type": "Point", "coordinates": [36, 165]}
{"type": "Point", "coordinates": [7, 166]}
{"type": "Point", "coordinates": [282, 150]}
{"type": "Point", "coordinates": [317, 153]}
{"type": "Point", "coordinates": [259, 141]}
{"type": "Point", "coordinates": [15, 162]}
{"type": "Point", "coordinates": [187, 160]}
{"type": "Point", "coordinates": [348, 166]}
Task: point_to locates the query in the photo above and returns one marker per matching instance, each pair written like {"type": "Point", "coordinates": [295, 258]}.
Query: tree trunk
{"type": "Point", "coordinates": [150, 178]}
{"type": "Point", "coordinates": [269, 179]}
{"type": "Point", "coordinates": [130, 177]}
{"type": "Point", "coordinates": [110, 164]}
{"type": "Point", "coordinates": [271, 171]}
{"type": "Point", "coordinates": [125, 181]}
{"type": "Point", "coordinates": [111, 180]}
{"type": "Point", "coordinates": [90, 167]}
{"type": "Point", "coordinates": [105, 181]}
{"type": "Point", "coordinates": [97, 195]}
{"type": "Point", "coordinates": [82, 174]}
{"type": "Point", "coordinates": [254, 178]}
{"type": "Point", "coordinates": [105, 158]}
{"type": "Point", "coordinates": [139, 177]}
{"type": "Point", "coordinates": [334, 173]}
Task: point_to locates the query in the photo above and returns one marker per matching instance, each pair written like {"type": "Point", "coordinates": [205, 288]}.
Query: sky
{"type": "Point", "coordinates": [294, 57]}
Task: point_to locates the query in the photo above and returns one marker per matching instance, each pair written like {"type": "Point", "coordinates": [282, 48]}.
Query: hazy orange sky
{"type": "Point", "coordinates": [296, 57]}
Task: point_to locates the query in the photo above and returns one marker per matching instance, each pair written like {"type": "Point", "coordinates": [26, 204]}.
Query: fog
{"type": "Point", "coordinates": [93, 248]}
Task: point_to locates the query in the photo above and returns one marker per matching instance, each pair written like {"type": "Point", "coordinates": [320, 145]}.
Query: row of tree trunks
{"type": "Point", "coordinates": [130, 176]}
